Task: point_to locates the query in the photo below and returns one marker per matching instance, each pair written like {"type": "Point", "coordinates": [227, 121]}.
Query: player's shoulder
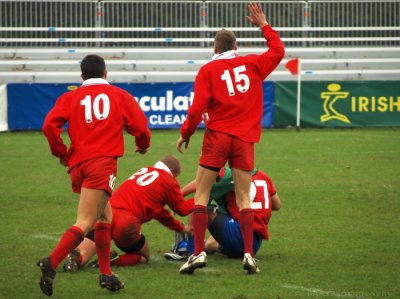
{"type": "Point", "coordinates": [119, 93]}
{"type": "Point", "coordinates": [68, 95]}
{"type": "Point", "coordinates": [261, 174]}
{"type": "Point", "coordinates": [250, 56]}
{"type": "Point", "coordinates": [117, 89]}
{"type": "Point", "coordinates": [212, 67]}
{"type": "Point", "coordinates": [167, 179]}
{"type": "Point", "coordinates": [230, 63]}
{"type": "Point", "coordinates": [161, 172]}
{"type": "Point", "coordinates": [207, 66]}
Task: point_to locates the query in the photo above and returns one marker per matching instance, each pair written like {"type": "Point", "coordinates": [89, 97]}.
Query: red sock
{"type": "Point", "coordinates": [69, 241]}
{"type": "Point", "coordinates": [129, 259]}
{"type": "Point", "coordinates": [246, 221]}
{"type": "Point", "coordinates": [200, 222]}
{"type": "Point", "coordinates": [102, 239]}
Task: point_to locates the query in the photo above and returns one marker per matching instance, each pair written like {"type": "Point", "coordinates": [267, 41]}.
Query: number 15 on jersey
{"type": "Point", "coordinates": [241, 78]}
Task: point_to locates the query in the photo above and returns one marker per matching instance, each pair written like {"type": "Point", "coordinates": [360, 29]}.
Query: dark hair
{"type": "Point", "coordinates": [224, 40]}
{"type": "Point", "coordinates": [92, 66]}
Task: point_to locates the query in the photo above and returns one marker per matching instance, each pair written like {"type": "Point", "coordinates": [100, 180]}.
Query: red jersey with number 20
{"type": "Point", "coordinates": [229, 90]}
{"type": "Point", "coordinates": [97, 114]}
{"type": "Point", "coordinates": [261, 191]}
{"type": "Point", "coordinates": [146, 193]}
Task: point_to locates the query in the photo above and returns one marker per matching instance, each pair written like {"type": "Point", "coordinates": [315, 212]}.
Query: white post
{"type": "Point", "coordinates": [298, 97]}
{"type": "Point", "coordinates": [3, 108]}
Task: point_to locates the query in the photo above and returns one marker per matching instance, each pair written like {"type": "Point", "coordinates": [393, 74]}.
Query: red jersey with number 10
{"type": "Point", "coordinates": [229, 90]}
{"type": "Point", "coordinates": [97, 114]}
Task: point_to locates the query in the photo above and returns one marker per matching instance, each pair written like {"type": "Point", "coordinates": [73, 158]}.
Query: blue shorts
{"type": "Point", "coordinates": [226, 231]}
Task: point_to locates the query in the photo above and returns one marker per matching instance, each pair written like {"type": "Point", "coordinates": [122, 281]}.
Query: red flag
{"type": "Point", "coordinates": [293, 66]}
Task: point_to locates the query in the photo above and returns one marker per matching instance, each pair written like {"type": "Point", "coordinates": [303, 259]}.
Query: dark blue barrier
{"type": "Point", "coordinates": [28, 104]}
{"type": "Point", "coordinates": [165, 104]}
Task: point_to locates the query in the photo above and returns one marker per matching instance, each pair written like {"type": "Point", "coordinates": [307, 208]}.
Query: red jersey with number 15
{"type": "Point", "coordinates": [229, 90]}
{"type": "Point", "coordinates": [97, 114]}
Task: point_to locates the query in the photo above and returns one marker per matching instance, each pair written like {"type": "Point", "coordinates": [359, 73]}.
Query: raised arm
{"type": "Point", "coordinates": [257, 16]}
{"type": "Point", "coordinates": [270, 59]}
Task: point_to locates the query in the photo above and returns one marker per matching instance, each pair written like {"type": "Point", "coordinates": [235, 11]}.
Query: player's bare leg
{"type": "Point", "coordinates": [80, 256]}
{"type": "Point", "coordinates": [212, 245]}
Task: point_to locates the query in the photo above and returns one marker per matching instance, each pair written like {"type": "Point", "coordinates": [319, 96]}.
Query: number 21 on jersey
{"type": "Point", "coordinates": [93, 107]}
{"type": "Point", "coordinates": [241, 78]}
{"type": "Point", "coordinates": [255, 186]}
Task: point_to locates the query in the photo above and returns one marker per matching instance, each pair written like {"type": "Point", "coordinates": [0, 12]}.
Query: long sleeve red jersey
{"type": "Point", "coordinates": [97, 114]}
{"type": "Point", "coordinates": [165, 218]}
{"type": "Point", "coordinates": [229, 90]}
{"type": "Point", "coordinates": [261, 191]}
{"type": "Point", "coordinates": [148, 191]}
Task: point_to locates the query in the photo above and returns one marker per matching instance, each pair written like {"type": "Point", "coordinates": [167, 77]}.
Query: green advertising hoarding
{"type": "Point", "coordinates": [338, 104]}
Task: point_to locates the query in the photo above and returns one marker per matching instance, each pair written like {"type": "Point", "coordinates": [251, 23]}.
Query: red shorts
{"type": "Point", "coordinates": [125, 228]}
{"type": "Point", "coordinates": [218, 148]}
{"type": "Point", "coordinates": [97, 173]}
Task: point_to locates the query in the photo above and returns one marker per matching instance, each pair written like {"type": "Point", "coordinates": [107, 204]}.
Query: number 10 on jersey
{"type": "Point", "coordinates": [89, 110]}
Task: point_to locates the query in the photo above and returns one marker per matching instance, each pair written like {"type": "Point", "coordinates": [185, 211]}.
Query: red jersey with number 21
{"type": "Point", "coordinates": [261, 191]}
{"type": "Point", "coordinates": [229, 90]}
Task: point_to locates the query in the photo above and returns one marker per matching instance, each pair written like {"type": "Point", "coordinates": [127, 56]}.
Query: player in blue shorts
{"type": "Point", "coordinates": [223, 214]}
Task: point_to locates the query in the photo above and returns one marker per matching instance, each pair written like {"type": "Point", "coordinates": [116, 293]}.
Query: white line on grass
{"type": "Point", "coordinates": [210, 270]}
{"type": "Point", "coordinates": [318, 291]}
{"type": "Point", "coordinates": [44, 236]}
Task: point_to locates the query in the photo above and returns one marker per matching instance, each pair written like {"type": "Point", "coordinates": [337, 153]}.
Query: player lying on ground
{"type": "Point", "coordinates": [141, 198]}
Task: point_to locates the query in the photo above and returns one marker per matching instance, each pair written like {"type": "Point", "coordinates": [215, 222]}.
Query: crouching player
{"type": "Point", "coordinates": [224, 227]}
{"type": "Point", "coordinates": [141, 198]}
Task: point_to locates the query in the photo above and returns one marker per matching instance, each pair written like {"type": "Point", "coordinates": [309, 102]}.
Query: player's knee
{"type": "Point", "coordinates": [85, 225]}
{"type": "Point", "coordinates": [211, 245]}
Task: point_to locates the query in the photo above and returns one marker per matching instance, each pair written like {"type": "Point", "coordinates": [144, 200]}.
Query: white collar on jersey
{"type": "Point", "coordinates": [94, 81]}
{"type": "Point", "coordinates": [226, 55]}
{"type": "Point", "coordinates": [161, 165]}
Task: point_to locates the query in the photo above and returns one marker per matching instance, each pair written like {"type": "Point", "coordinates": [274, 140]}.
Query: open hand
{"type": "Point", "coordinates": [257, 16]}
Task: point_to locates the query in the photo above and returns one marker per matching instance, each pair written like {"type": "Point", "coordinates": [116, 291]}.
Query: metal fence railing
{"type": "Point", "coordinates": [90, 23]}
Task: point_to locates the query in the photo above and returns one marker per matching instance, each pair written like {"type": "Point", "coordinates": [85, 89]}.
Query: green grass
{"type": "Point", "coordinates": [337, 235]}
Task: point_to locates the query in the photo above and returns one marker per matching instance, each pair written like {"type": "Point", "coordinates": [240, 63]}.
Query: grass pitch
{"type": "Point", "coordinates": [337, 235]}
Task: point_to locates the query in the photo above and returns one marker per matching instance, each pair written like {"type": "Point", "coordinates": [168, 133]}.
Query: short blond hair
{"type": "Point", "coordinates": [172, 163]}
{"type": "Point", "coordinates": [224, 40]}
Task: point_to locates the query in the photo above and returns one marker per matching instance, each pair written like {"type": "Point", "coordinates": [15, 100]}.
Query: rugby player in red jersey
{"type": "Point", "coordinates": [224, 227]}
{"type": "Point", "coordinates": [228, 94]}
{"type": "Point", "coordinates": [97, 114]}
{"type": "Point", "coordinates": [223, 215]}
{"type": "Point", "coordinates": [141, 198]}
